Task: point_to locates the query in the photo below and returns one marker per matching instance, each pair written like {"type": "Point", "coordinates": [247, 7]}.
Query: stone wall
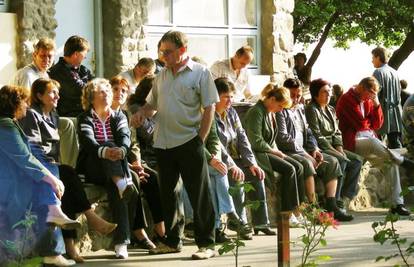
{"type": "Point", "coordinates": [123, 34]}
{"type": "Point", "coordinates": [277, 39]}
{"type": "Point", "coordinates": [35, 19]}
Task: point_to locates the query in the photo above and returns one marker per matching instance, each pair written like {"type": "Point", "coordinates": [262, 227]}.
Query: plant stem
{"type": "Point", "coordinates": [398, 244]}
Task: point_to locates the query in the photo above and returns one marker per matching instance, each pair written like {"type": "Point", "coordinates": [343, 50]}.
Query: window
{"type": "Point", "coordinates": [215, 28]}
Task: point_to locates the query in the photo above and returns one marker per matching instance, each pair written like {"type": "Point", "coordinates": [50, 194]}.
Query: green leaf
{"type": "Point", "coordinates": [305, 239]}
{"type": "Point", "coordinates": [379, 258]}
{"type": "Point", "coordinates": [324, 258]}
{"type": "Point", "coordinates": [323, 243]}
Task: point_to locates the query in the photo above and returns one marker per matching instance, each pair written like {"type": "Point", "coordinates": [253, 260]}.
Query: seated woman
{"type": "Point", "coordinates": [104, 139]}
{"type": "Point", "coordinates": [296, 140]}
{"type": "Point", "coordinates": [261, 128]}
{"type": "Point", "coordinates": [323, 122]}
{"type": "Point", "coordinates": [240, 160]}
{"type": "Point", "coordinates": [148, 180]}
{"type": "Point", "coordinates": [360, 114]}
{"type": "Point", "coordinates": [41, 128]}
{"type": "Point", "coordinates": [26, 183]}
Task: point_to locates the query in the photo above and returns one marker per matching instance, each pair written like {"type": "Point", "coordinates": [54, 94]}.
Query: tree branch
{"type": "Point", "coordinates": [403, 51]}
{"type": "Point", "coordinates": [317, 51]}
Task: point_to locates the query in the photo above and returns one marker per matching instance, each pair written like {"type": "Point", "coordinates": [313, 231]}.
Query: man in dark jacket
{"type": "Point", "coordinates": [72, 76]}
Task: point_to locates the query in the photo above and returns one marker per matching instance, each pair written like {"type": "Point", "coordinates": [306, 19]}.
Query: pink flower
{"type": "Point", "coordinates": [327, 219]}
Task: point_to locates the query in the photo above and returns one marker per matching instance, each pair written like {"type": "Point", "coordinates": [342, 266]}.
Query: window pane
{"type": "Point", "coordinates": [159, 12]}
{"type": "Point", "coordinates": [239, 41]}
{"type": "Point", "coordinates": [209, 48]}
{"type": "Point", "coordinates": [200, 12]}
{"type": "Point", "coordinates": [243, 13]}
{"type": "Point", "coordinates": [152, 42]}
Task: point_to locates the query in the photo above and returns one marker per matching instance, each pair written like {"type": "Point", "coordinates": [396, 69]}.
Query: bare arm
{"type": "Point", "coordinates": [206, 121]}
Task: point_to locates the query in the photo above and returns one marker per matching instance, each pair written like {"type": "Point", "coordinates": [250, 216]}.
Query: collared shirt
{"type": "Point", "coordinates": [103, 132]}
{"type": "Point", "coordinates": [27, 75]}
{"type": "Point", "coordinates": [129, 76]}
{"type": "Point", "coordinates": [233, 137]}
{"type": "Point", "coordinates": [178, 100]}
{"type": "Point", "coordinates": [224, 68]}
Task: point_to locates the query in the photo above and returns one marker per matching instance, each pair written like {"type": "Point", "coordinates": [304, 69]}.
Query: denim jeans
{"type": "Point", "coordinates": [222, 200]}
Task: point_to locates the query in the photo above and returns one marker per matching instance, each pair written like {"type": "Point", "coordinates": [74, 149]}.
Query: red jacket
{"type": "Point", "coordinates": [351, 120]}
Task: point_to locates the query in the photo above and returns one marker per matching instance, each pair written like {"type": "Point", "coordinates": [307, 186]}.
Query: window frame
{"type": "Point", "coordinates": [229, 30]}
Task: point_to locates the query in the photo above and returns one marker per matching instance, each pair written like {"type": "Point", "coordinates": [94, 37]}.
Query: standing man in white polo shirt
{"type": "Point", "coordinates": [235, 69]}
{"type": "Point", "coordinates": [180, 91]}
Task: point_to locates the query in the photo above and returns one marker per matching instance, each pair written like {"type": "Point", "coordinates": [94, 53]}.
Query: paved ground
{"type": "Point", "coordinates": [351, 245]}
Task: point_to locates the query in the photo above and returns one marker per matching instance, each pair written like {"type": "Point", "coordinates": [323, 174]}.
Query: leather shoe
{"type": "Point", "coordinates": [58, 261]}
{"type": "Point", "coordinates": [400, 210]}
{"type": "Point", "coordinates": [266, 231]}
{"type": "Point", "coordinates": [342, 216]}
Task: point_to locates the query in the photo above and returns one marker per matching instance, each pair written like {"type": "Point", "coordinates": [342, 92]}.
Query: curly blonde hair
{"type": "Point", "coordinates": [89, 90]}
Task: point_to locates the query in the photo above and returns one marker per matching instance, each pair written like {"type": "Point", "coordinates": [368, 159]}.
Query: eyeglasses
{"type": "Point", "coordinates": [166, 53]}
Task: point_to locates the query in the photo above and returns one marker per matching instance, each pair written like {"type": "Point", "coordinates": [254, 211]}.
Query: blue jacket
{"type": "Point", "coordinates": [19, 170]}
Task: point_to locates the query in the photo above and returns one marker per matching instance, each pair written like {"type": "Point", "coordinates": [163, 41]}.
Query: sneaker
{"type": "Point", "coordinates": [293, 221]}
{"type": "Point", "coordinates": [221, 237]}
{"type": "Point", "coordinates": [163, 248]}
{"type": "Point", "coordinates": [203, 254]}
{"type": "Point", "coordinates": [401, 210]}
{"type": "Point", "coordinates": [121, 251]}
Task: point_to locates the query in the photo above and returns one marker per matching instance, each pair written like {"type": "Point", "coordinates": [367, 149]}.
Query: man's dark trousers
{"type": "Point", "coordinates": [189, 161]}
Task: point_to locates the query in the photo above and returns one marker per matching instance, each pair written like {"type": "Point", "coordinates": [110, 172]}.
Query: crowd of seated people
{"type": "Point", "coordinates": [133, 139]}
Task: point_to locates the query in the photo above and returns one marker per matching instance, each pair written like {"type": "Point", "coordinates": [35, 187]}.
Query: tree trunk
{"type": "Point", "coordinates": [317, 51]}
{"type": "Point", "coordinates": [404, 51]}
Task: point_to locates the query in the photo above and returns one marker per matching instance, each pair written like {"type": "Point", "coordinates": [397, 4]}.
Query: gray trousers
{"type": "Point", "coordinates": [373, 150]}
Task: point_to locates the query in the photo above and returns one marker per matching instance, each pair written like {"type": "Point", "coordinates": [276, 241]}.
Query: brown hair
{"type": "Point", "coordinates": [118, 80]}
{"type": "Point", "coordinates": [369, 83]}
{"type": "Point", "coordinates": [44, 43]}
{"type": "Point", "coordinates": [39, 87]}
{"type": "Point", "coordinates": [315, 86]}
{"type": "Point", "coordinates": [11, 97]}
{"type": "Point", "coordinates": [75, 44]}
{"type": "Point", "coordinates": [244, 50]}
{"type": "Point", "coordinates": [281, 94]}
{"type": "Point", "coordinates": [175, 37]}
{"type": "Point", "coordinates": [224, 85]}
{"type": "Point", "coordinates": [380, 52]}
{"type": "Point", "coordinates": [146, 62]}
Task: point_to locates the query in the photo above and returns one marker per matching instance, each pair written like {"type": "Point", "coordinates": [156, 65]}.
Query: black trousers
{"type": "Point", "coordinates": [74, 199]}
{"type": "Point", "coordinates": [187, 160]}
{"type": "Point", "coordinates": [151, 192]}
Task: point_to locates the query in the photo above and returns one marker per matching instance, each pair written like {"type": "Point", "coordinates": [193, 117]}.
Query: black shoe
{"type": "Point", "coordinates": [234, 222]}
{"type": "Point", "coordinates": [401, 210]}
{"type": "Point", "coordinates": [144, 243]}
{"type": "Point", "coordinates": [246, 236]}
{"type": "Point", "coordinates": [221, 237]}
{"type": "Point", "coordinates": [266, 231]}
{"type": "Point", "coordinates": [342, 216]}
